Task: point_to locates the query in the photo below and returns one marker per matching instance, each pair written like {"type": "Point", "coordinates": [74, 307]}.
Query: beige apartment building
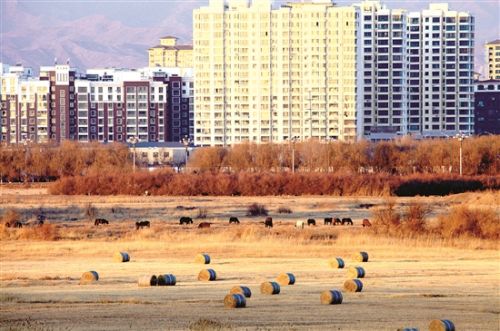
{"type": "Point", "coordinates": [271, 75]}
{"type": "Point", "coordinates": [493, 53]}
{"type": "Point", "coordinates": [171, 55]}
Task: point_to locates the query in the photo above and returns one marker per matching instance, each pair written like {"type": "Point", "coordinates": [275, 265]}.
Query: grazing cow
{"type": "Point", "coordinates": [328, 220]}
{"type": "Point", "coordinates": [268, 223]}
{"type": "Point", "coordinates": [347, 220]}
{"type": "Point", "coordinates": [366, 222]}
{"type": "Point", "coordinates": [185, 220]}
{"type": "Point", "coordinates": [142, 224]}
{"type": "Point", "coordinates": [204, 225]}
{"type": "Point", "coordinates": [299, 224]}
{"type": "Point", "coordinates": [234, 220]}
{"type": "Point", "coordinates": [311, 221]}
{"type": "Point", "coordinates": [337, 221]}
{"type": "Point", "coordinates": [100, 221]}
{"type": "Point", "coordinates": [41, 218]}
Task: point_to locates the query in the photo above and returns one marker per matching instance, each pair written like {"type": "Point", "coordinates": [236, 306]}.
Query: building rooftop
{"type": "Point", "coordinates": [169, 37]}
{"type": "Point", "coordinates": [494, 42]}
{"type": "Point", "coordinates": [177, 47]}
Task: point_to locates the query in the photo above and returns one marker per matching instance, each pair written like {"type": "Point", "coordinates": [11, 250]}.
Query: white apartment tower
{"type": "Point", "coordinates": [314, 70]}
{"type": "Point", "coordinates": [269, 75]}
{"type": "Point", "coordinates": [415, 72]}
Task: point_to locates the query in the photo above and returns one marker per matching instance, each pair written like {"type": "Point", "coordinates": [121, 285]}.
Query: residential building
{"type": "Point", "coordinates": [493, 55]}
{"type": "Point", "coordinates": [169, 54]}
{"type": "Point", "coordinates": [269, 75]}
{"type": "Point", "coordinates": [314, 70]}
{"type": "Point", "coordinates": [154, 154]}
{"type": "Point", "coordinates": [487, 107]}
{"type": "Point", "coordinates": [102, 105]}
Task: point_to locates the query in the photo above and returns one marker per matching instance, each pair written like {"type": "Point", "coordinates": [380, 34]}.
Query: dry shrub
{"type": "Point", "coordinates": [90, 211]}
{"type": "Point", "coordinates": [414, 219]}
{"type": "Point", "coordinates": [386, 220]}
{"type": "Point", "coordinates": [204, 324]}
{"type": "Point", "coordinates": [284, 210]}
{"type": "Point", "coordinates": [10, 216]}
{"type": "Point", "coordinates": [468, 222]}
{"type": "Point", "coordinates": [45, 232]}
{"type": "Point", "coordinates": [256, 209]}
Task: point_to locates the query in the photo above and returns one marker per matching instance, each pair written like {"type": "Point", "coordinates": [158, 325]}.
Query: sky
{"type": "Point", "coordinates": [99, 33]}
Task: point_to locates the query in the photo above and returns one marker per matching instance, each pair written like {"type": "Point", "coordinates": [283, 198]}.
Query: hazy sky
{"type": "Point", "coordinates": [99, 23]}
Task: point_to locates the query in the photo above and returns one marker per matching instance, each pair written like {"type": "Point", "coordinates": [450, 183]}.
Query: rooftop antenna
{"type": "Point", "coordinates": [67, 61]}
{"type": "Point", "coordinates": [55, 60]}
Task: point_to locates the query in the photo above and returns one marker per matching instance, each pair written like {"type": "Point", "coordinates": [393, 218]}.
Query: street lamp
{"type": "Point", "coordinates": [133, 141]}
{"type": "Point", "coordinates": [293, 140]}
{"type": "Point", "coordinates": [460, 136]}
{"type": "Point", "coordinates": [26, 143]}
{"type": "Point", "coordinates": [186, 141]}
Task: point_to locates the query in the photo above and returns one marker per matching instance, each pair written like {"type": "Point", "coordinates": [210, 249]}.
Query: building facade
{"type": "Point", "coordinates": [493, 58]}
{"type": "Point", "coordinates": [169, 54]}
{"type": "Point", "coordinates": [102, 105]}
{"type": "Point", "coordinates": [314, 70]}
{"type": "Point", "coordinates": [270, 75]}
{"type": "Point", "coordinates": [487, 107]}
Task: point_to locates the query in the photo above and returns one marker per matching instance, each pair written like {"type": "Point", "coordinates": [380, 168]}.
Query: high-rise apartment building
{"type": "Point", "coordinates": [315, 70]}
{"type": "Point", "coordinates": [493, 55]}
{"type": "Point", "coordinates": [487, 107]}
{"type": "Point", "coordinates": [169, 54]}
{"type": "Point", "coordinates": [415, 72]}
{"type": "Point", "coordinates": [105, 105]}
{"type": "Point", "coordinates": [268, 75]}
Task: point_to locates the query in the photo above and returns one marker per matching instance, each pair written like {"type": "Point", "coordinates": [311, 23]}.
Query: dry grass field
{"type": "Point", "coordinates": [409, 281]}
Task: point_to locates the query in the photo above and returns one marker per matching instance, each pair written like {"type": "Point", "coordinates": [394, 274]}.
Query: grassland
{"type": "Point", "coordinates": [409, 280]}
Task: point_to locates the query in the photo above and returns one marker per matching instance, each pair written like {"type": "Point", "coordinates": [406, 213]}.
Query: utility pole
{"type": "Point", "coordinates": [461, 138]}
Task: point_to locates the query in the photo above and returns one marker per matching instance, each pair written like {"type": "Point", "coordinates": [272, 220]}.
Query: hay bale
{"type": "Point", "coordinates": [202, 259]}
{"type": "Point", "coordinates": [241, 290]}
{"type": "Point", "coordinates": [355, 272]}
{"type": "Point", "coordinates": [235, 300]}
{"type": "Point", "coordinates": [353, 285]}
{"type": "Point", "coordinates": [147, 280]}
{"type": "Point", "coordinates": [207, 275]}
{"type": "Point", "coordinates": [331, 297]}
{"type": "Point", "coordinates": [286, 279]}
{"type": "Point", "coordinates": [408, 329]}
{"type": "Point", "coordinates": [167, 280]}
{"type": "Point", "coordinates": [270, 288]}
{"type": "Point", "coordinates": [360, 257]}
{"type": "Point", "coordinates": [336, 263]}
{"type": "Point", "coordinates": [89, 277]}
{"type": "Point", "coordinates": [441, 325]}
{"type": "Point", "coordinates": [121, 257]}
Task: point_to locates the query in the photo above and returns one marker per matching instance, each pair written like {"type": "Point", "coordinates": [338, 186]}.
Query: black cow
{"type": "Point", "coordinates": [41, 218]}
{"type": "Point", "coordinates": [185, 220]}
{"type": "Point", "coordinates": [328, 220]}
{"type": "Point", "coordinates": [268, 223]}
{"type": "Point", "coordinates": [234, 220]}
{"type": "Point", "coordinates": [204, 225]}
{"type": "Point", "coordinates": [14, 224]}
{"type": "Point", "coordinates": [336, 221]}
{"type": "Point", "coordinates": [100, 221]}
{"type": "Point", "coordinates": [311, 221]}
{"type": "Point", "coordinates": [347, 220]}
{"type": "Point", "coordinates": [142, 224]}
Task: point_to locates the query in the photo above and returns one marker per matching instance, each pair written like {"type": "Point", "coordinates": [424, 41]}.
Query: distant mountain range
{"type": "Point", "coordinates": [92, 41]}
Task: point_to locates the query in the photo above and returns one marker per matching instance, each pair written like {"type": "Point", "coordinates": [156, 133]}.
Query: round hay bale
{"type": "Point", "coordinates": [202, 259]}
{"type": "Point", "coordinates": [336, 263]}
{"type": "Point", "coordinates": [331, 297]}
{"type": "Point", "coordinates": [270, 288]}
{"type": "Point", "coordinates": [353, 285]}
{"type": "Point", "coordinates": [147, 280]}
{"type": "Point", "coordinates": [121, 257]}
{"type": "Point", "coordinates": [235, 300]}
{"type": "Point", "coordinates": [355, 272]}
{"type": "Point", "coordinates": [360, 257]}
{"type": "Point", "coordinates": [241, 290]}
{"type": "Point", "coordinates": [441, 325]}
{"type": "Point", "coordinates": [408, 329]}
{"type": "Point", "coordinates": [166, 280]}
{"type": "Point", "coordinates": [89, 277]}
{"type": "Point", "coordinates": [286, 279]}
{"type": "Point", "coordinates": [207, 275]}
